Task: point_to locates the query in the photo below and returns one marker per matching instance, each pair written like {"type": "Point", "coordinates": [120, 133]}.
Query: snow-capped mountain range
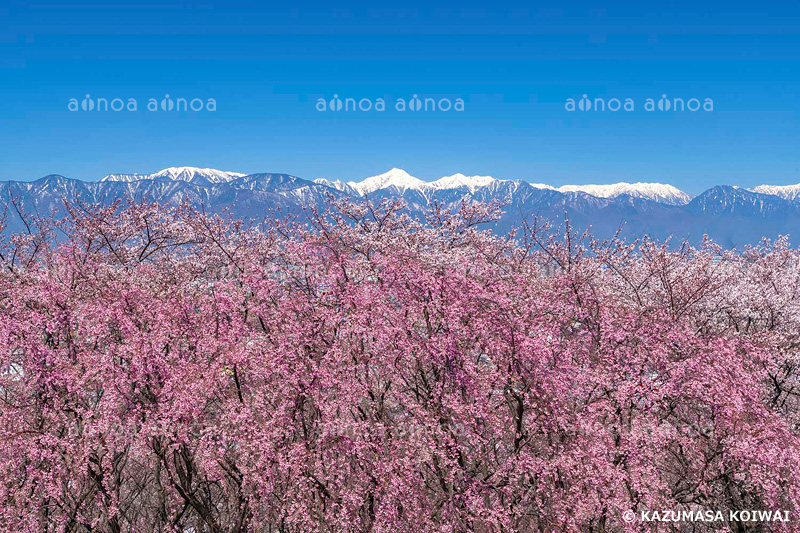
{"type": "Point", "coordinates": [400, 180]}
{"type": "Point", "coordinates": [732, 216]}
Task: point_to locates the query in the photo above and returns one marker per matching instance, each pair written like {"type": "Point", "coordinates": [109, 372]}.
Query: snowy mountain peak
{"type": "Point", "coordinates": [180, 174]}
{"type": "Point", "coordinates": [459, 180]}
{"type": "Point", "coordinates": [404, 181]}
{"type": "Point", "coordinates": [396, 177]}
{"type": "Point", "coordinates": [659, 192]}
{"type": "Point", "coordinates": [787, 192]}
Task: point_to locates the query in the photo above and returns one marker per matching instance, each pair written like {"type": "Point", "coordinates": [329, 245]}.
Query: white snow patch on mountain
{"type": "Point", "coordinates": [456, 181]}
{"type": "Point", "coordinates": [396, 177]}
{"type": "Point", "coordinates": [125, 177]}
{"type": "Point", "coordinates": [180, 174]}
{"type": "Point", "coordinates": [787, 192]}
{"type": "Point", "coordinates": [339, 185]}
{"type": "Point", "coordinates": [404, 181]}
{"type": "Point", "coordinates": [659, 192]}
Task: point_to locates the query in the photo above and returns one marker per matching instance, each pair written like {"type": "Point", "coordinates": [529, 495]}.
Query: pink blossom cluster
{"type": "Point", "coordinates": [165, 370]}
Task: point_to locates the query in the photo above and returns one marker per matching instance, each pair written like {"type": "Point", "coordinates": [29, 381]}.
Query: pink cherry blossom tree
{"type": "Point", "coordinates": [358, 370]}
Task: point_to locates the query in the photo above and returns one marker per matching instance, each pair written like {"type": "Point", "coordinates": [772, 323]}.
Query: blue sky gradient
{"type": "Point", "coordinates": [513, 67]}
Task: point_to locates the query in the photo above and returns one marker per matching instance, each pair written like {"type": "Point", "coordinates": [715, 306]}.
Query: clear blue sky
{"type": "Point", "coordinates": [514, 68]}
